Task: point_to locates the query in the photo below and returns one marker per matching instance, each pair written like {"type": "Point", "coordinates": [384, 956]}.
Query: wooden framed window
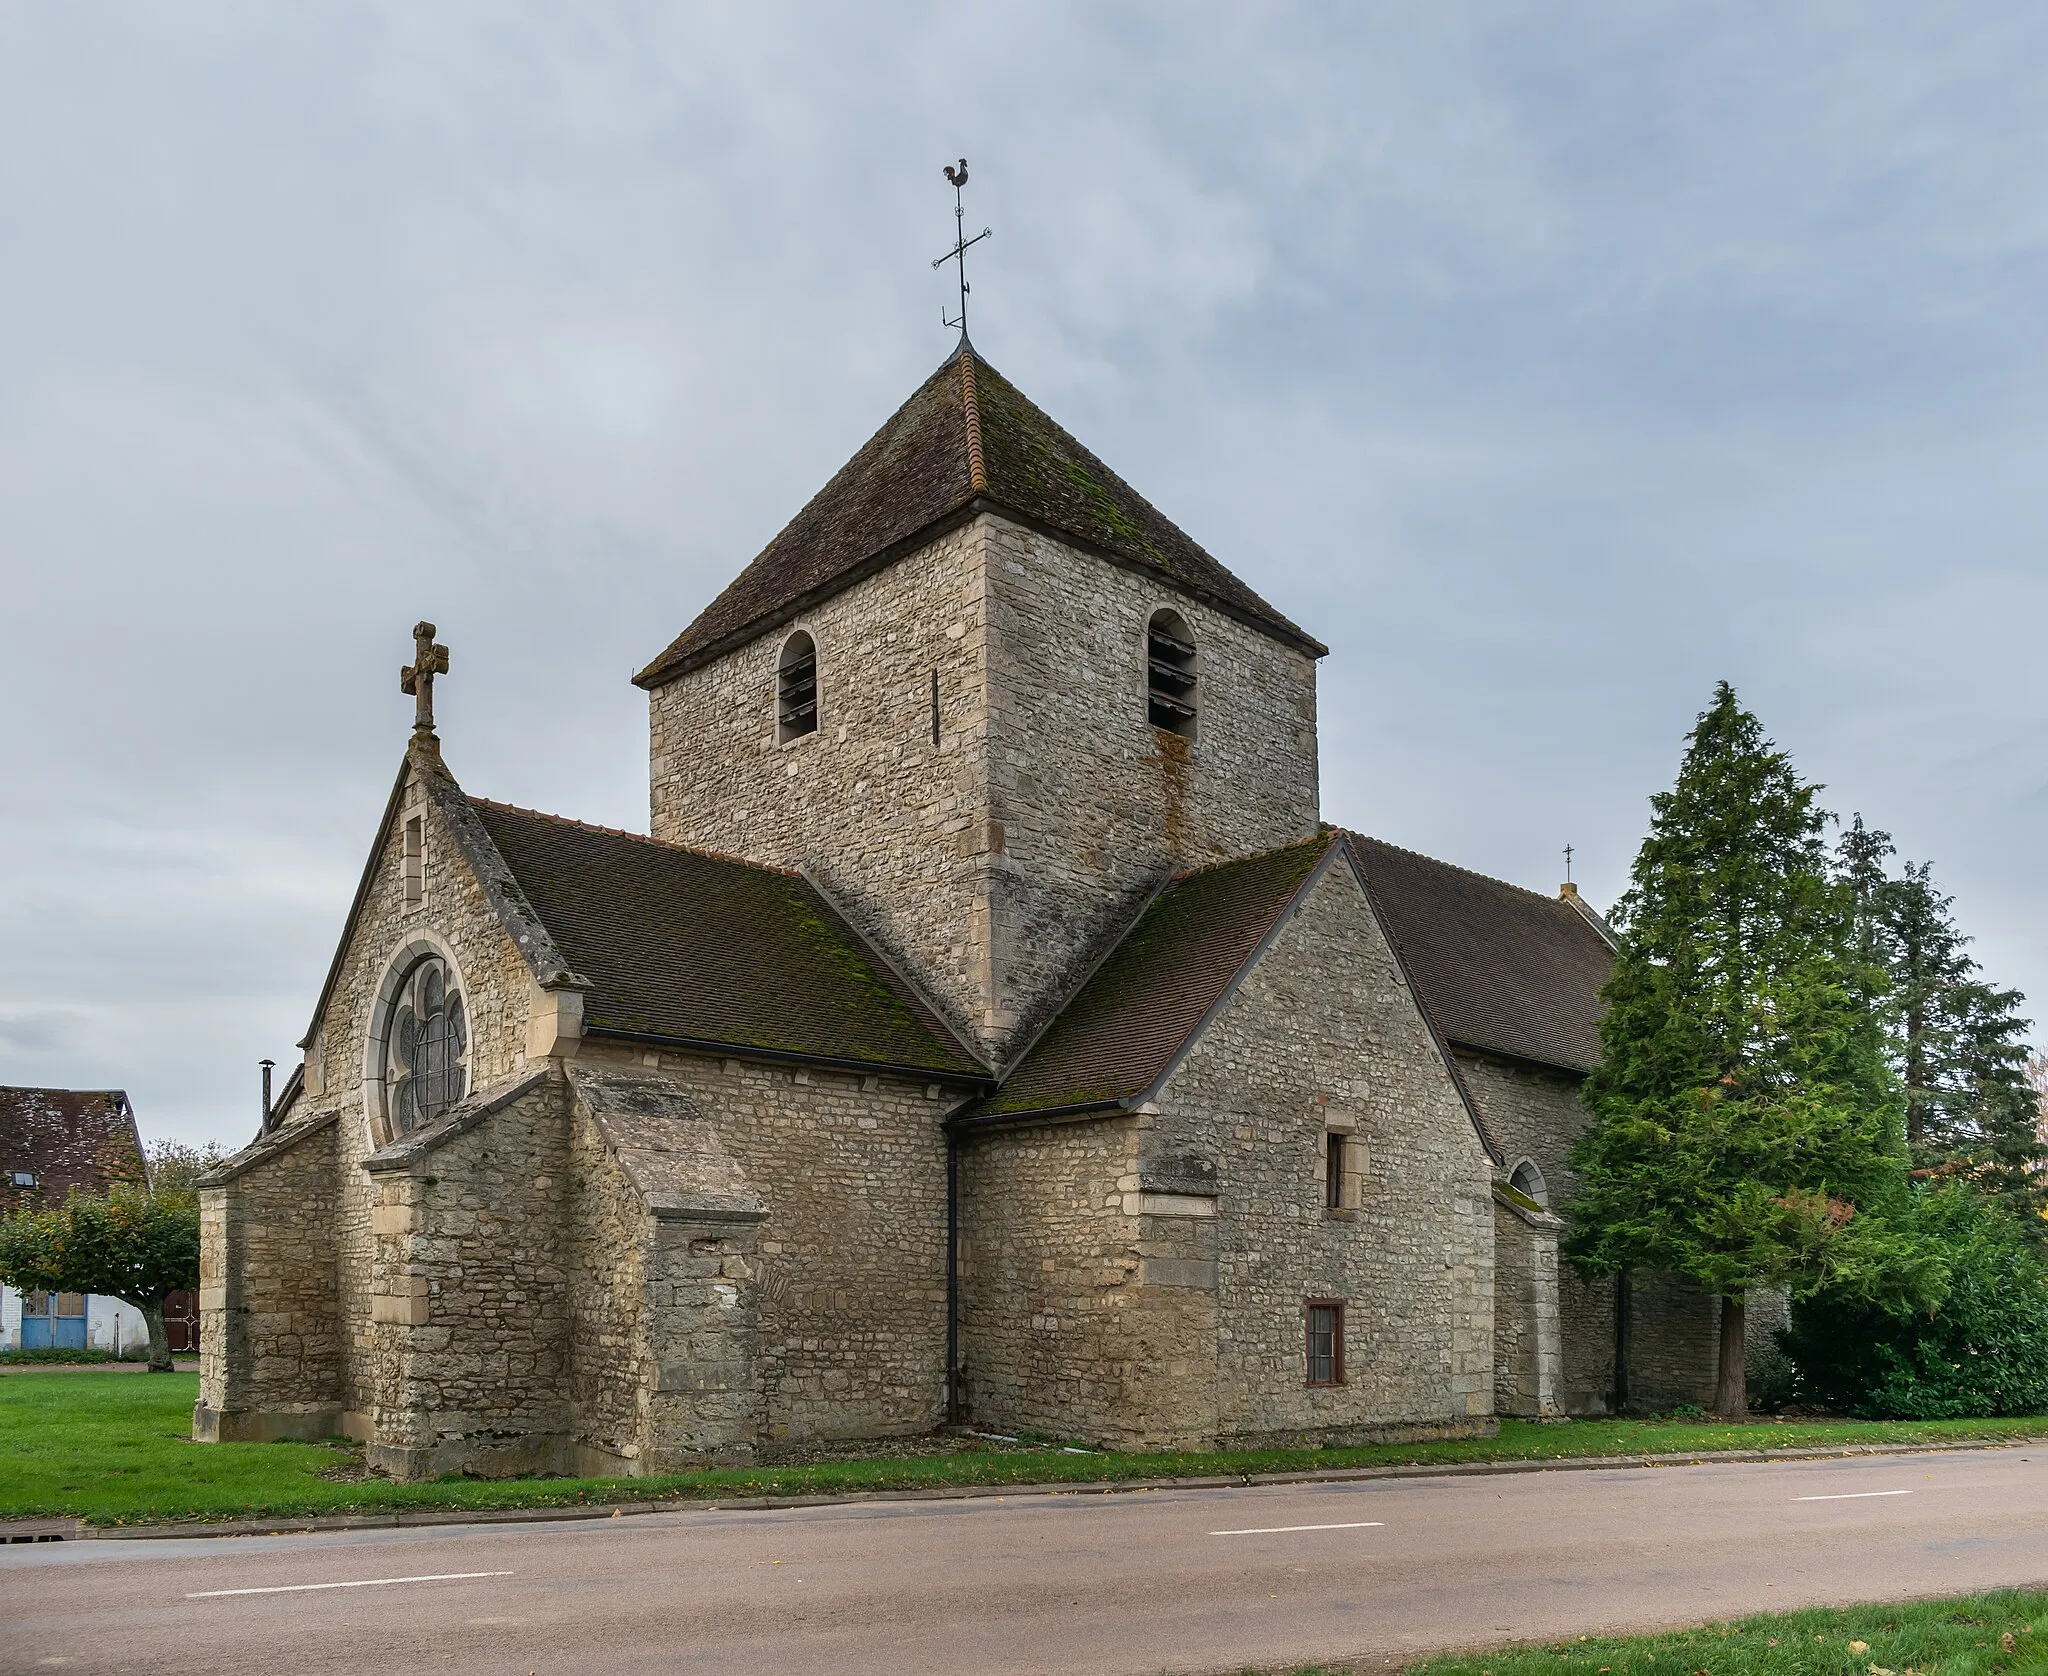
{"type": "Point", "coordinates": [1170, 674]}
{"type": "Point", "coordinates": [796, 688]}
{"type": "Point", "coordinates": [1325, 1341]}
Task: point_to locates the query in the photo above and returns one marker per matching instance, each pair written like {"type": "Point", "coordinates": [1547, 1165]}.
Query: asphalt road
{"type": "Point", "coordinates": [1182, 1580]}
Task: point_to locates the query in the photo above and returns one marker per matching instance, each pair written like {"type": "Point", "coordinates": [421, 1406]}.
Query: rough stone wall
{"type": "Point", "coordinates": [993, 861]}
{"type": "Point", "coordinates": [469, 1297]}
{"type": "Point", "coordinates": [1674, 1348]}
{"type": "Point", "coordinates": [1143, 1279]}
{"type": "Point", "coordinates": [454, 911]}
{"type": "Point", "coordinates": [611, 1363]}
{"type": "Point", "coordinates": [368, 1355]}
{"type": "Point", "coordinates": [1057, 1334]}
{"type": "Point", "coordinates": [270, 1346]}
{"type": "Point", "coordinates": [1525, 1316]}
{"type": "Point", "coordinates": [883, 817]}
{"type": "Point", "coordinates": [850, 1288]}
{"type": "Point", "coordinates": [1326, 1024]}
{"type": "Point", "coordinates": [1534, 1111]}
{"type": "Point", "coordinates": [1089, 805]}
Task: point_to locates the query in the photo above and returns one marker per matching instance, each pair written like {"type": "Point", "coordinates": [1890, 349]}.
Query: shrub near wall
{"type": "Point", "coordinates": [1983, 1351]}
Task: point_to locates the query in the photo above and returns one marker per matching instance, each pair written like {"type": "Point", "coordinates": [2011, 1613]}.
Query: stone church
{"type": "Point", "coordinates": [989, 1033]}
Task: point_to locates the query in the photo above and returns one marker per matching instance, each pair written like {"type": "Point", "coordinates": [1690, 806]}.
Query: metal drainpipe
{"type": "Point", "coordinates": [953, 1406]}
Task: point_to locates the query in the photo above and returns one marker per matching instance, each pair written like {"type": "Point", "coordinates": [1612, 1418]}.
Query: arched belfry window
{"type": "Point", "coordinates": [1528, 1181]}
{"type": "Point", "coordinates": [426, 1046]}
{"type": "Point", "coordinates": [1170, 673]}
{"type": "Point", "coordinates": [796, 688]}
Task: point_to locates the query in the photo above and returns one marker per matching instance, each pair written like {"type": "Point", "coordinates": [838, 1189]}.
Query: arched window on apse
{"type": "Point", "coordinates": [796, 688]}
{"type": "Point", "coordinates": [1528, 1181]}
{"type": "Point", "coordinates": [1170, 673]}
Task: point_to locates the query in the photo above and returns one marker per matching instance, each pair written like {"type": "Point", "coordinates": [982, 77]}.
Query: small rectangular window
{"type": "Point", "coordinates": [1325, 1341]}
{"type": "Point", "coordinates": [415, 861]}
{"type": "Point", "coordinates": [1334, 1150]}
{"type": "Point", "coordinates": [24, 1178]}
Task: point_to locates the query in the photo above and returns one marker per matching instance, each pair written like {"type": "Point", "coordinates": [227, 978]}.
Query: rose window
{"type": "Point", "coordinates": [428, 1067]}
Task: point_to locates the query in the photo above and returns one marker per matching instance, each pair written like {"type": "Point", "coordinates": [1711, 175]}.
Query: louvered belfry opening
{"type": "Point", "coordinates": [1170, 674]}
{"type": "Point", "coordinates": [796, 688]}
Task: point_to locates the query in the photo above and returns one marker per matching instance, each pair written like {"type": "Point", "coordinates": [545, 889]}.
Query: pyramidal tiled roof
{"type": "Point", "coordinates": [967, 438]}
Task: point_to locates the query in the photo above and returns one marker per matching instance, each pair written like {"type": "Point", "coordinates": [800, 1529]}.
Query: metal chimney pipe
{"type": "Point", "coordinates": [266, 1064]}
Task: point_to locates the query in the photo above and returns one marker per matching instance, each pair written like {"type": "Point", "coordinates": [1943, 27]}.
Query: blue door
{"type": "Point", "coordinates": [53, 1321]}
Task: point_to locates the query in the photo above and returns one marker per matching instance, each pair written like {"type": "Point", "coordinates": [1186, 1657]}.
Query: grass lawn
{"type": "Point", "coordinates": [1970, 1635]}
{"type": "Point", "coordinates": [114, 1448]}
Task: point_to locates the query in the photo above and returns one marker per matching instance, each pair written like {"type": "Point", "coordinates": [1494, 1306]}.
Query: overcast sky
{"type": "Point", "coordinates": [1550, 362]}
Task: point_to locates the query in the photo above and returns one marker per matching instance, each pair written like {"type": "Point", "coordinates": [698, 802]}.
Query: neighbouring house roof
{"type": "Point", "coordinates": [1130, 1021]}
{"type": "Point", "coordinates": [1498, 967]}
{"type": "Point", "coordinates": [681, 945]}
{"type": "Point", "coordinates": [66, 1138]}
{"type": "Point", "coordinates": [966, 440]}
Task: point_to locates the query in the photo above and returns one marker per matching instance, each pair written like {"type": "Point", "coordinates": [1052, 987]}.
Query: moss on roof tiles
{"type": "Point", "coordinates": [1137, 1010]}
{"type": "Point", "coordinates": [682, 944]}
{"type": "Point", "coordinates": [913, 474]}
{"type": "Point", "coordinates": [1500, 968]}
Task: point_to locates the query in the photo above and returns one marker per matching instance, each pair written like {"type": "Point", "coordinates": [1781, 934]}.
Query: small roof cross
{"type": "Point", "coordinates": [417, 678]}
{"type": "Point", "coordinates": [1568, 852]}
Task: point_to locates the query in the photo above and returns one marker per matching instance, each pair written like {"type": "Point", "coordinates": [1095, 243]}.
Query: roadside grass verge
{"type": "Point", "coordinates": [115, 1449]}
{"type": "Point", "coordinates": [1968, 1635]}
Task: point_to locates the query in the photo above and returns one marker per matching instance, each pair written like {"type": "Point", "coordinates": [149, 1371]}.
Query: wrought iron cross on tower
{"type": "Point", "coordinates": [961, 244]}
{"type": "Point", "coordinates": [417, 678]}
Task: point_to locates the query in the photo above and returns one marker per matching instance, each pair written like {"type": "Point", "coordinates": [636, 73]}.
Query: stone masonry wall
{"type": "Point", "coordinates": [1142, 1279]}
{"type": "Point", "coordinates": [1525, 1328]}
{"type": "Point", "coordinates": [882, 815]}
{"type": "Point", "coordinates": [469, 1298]}
{"type": "Point", "coordinates": [851, 1283]}
{"type": "Point", "coordinates": [270, 1359]}
{"type": "Point", "coordinates": [1058, 1336]}
{"type": "Point", "coordinates": [990, 862]}
{"type": "Point", "coordinates": [1089, 805]}
{"type": "Point", "coordinates": [1535, 1112]}
{"type": "Point", "coordinates": [1325, 1025]}
{"type": "Point", "coordinates": [336, 1211]}
{"type": "Point", "coordinates": [611, 1372]}
{"type": "Point", "coordinates": [454, 912]}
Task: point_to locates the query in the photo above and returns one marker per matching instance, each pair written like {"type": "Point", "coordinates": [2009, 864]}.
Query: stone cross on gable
{"type": "Point", "coordinates": [417, 677]}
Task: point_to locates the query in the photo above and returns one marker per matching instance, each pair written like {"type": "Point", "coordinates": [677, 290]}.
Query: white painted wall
{"type": "Point", "coordinates": [109, 1323]}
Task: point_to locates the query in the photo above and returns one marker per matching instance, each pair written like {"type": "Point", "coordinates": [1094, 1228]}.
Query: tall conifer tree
{"type": "Point", "coordinates": [1745, 1123]}
{"type": "Point", "coordinates": [1956, 1042]}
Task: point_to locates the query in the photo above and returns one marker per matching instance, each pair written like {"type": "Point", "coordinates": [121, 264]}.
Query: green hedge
{"type": "Point", "coordinates": [1982, 1351]}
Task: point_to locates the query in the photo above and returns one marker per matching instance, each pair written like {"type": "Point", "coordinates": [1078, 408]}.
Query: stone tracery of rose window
{"type": "Point", "coordinates": [427, 1067]}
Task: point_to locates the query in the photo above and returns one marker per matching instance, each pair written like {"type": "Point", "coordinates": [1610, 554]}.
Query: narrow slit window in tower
{"type": "Point", "coordinates": [1170, 674]}
{"type": "Point", "coordinates": [796, 689]}
{"type": "Point", "coordinates": [415, 861]}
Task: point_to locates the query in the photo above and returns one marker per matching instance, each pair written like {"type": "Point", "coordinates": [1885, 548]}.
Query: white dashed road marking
{"type": "Point", "coordinates": [1855, 1495]}
{"type": "Point", "coordinates": [1281, 1530]}
{"type": "Point", "coordinates": [362, 1583]}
